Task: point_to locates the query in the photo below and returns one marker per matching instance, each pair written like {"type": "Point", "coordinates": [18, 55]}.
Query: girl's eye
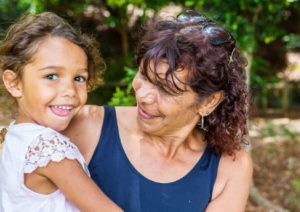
{"type": "Point", "coordinates": [80, 79]}
{"type": "Point", "coordinates": [51, 76]}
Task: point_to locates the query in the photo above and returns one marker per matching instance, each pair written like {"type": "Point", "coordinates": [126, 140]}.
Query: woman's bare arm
{"type": "Point", "coordinates": [235, 176]}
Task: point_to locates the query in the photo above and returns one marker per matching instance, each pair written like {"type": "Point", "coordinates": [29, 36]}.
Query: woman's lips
{"type": "Point", "coordinates": [143, 114]}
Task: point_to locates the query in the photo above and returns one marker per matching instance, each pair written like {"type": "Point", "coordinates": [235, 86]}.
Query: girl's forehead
{"type": "Point", "coordinates": [58, 54]}
{"type": "Point", "coordinates": [58, 49]}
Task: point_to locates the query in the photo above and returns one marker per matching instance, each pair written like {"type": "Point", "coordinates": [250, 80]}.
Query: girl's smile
{"type": "Point", "coordinates": [61, 110]}
{"type": "Point", "coordinates": [53, 87]}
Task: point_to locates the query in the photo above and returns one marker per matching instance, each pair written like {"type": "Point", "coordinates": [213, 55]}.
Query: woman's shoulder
{"type": "Point", "coordinates": [126, 111]}
{"type": "Point", "coordinates": [85, 128]}
{"type": "Point", "coordinates": [233, 167]}
{"type": "Point", "coordinates": [96, 113]}
{"type": "Point", "coordinates": [234, 172]}
{"type": "Point", "coordinates": [89, 114]}
{"type": "Point", "coordinates": [239, 158]}
{"type": "Point", "coordinates": [239, 162]}
{"type": "Point", "coordinates": [127, 117]}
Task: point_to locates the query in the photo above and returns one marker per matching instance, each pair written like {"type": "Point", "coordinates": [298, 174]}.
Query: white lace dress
{"type": "Point", "coordinates": [28, 146]}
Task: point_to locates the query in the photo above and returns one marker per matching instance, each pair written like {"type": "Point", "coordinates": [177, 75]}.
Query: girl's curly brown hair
{"type": "Point", "coordinates": [209, 52]}
{"type": "Point", "coordinates": [22, 39]}
{"type": "Point", "coordinates": [21, 42]}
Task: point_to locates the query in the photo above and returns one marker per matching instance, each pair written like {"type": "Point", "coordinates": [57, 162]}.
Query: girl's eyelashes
{"type": "Point", "coordinates": [51, 76]}
{"type": "Point", "coordinates": [80, 79]}
{"type": "Point", "coordinates": [55, 77]}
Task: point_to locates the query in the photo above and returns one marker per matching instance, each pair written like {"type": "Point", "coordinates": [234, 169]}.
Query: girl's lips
{"type": "Point", "coordinates": [61, 110]}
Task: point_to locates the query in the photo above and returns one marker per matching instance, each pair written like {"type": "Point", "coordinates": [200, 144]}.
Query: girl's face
{"type": "Point", "coordinates": [54, 84]}
{"type": "Point", "coordinates": [161, 113]}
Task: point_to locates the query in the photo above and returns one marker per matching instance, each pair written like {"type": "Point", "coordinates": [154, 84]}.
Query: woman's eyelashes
{"type": "Point", "coordinates": [163, 90]}
{"type": "Point", "coordinates": [144, 77]}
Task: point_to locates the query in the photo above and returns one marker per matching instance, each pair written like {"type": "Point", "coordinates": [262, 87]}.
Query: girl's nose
{"type": "Point", "coordinates": [68, 88]}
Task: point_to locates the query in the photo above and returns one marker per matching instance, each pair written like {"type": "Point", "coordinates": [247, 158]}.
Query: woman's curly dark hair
{"type": "Point", "coordinates": [214, 62]}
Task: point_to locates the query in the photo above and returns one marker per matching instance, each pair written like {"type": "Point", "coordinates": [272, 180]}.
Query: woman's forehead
{"type": "Point", "coordinates": [162, 67]}
{"type": "Point", "coordinates": [160, 75]}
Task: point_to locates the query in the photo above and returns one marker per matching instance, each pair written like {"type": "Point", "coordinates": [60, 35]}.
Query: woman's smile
{"type": "Point", "coordinates": [146, 115]}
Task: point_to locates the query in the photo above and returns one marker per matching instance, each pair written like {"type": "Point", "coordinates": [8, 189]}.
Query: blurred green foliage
{"type": "Point", "coordinates": [258, 25]}
{"type": "Point", "coordinates": [295, 195]}
{"type": "Point", "coordinates": [124, 97]}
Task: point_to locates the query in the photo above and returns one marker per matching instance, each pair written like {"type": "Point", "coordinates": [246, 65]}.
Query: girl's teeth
{"type": "Point", "coordinates": [63, 107]}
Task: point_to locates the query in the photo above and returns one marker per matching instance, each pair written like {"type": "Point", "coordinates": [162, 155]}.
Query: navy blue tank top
{"type": "Point", "coordinates": [121, 182]}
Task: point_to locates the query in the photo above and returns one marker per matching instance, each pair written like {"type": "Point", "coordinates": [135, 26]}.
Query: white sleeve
{"type": "Point", "coordinates": [50, 146]}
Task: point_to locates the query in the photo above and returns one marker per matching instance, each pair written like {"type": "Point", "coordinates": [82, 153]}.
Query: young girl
{"type": "Point", "coordinates": [48, 68]}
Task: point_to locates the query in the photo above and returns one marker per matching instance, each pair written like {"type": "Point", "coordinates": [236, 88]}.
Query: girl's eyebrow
{"type": "Point", "coordinates": [60, 67]}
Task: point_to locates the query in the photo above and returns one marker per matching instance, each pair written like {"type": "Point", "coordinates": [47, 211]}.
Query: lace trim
{"type": "Point", "coordinates": [49, 147]}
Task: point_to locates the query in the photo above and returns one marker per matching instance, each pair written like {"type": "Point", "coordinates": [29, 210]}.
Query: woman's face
{"type": "Point", "coordinates": [161, 113]}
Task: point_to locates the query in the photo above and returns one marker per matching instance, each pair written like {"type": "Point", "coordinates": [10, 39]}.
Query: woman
{"type": "Point", "coordinates": [181, 147]}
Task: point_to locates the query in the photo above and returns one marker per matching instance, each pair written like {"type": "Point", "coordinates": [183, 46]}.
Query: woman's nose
{"type": "Point", "coordinates": [144, 91]}
{"type": "Point", "coordinates": [145, 96]}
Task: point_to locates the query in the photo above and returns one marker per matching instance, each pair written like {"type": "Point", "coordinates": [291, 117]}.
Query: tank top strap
{"type": "Point", "coordinates": [109, 133]}
{"type": "Point", "coordinates": [209, 164]}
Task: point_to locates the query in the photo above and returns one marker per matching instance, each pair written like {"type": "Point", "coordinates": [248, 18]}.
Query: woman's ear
{"type": "Point", "coordinates": [12, 83]}
{"type": "Point", "coordinates": [210, 103]}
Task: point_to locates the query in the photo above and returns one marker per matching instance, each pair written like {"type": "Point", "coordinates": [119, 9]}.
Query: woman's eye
{"type": "Point", "coordinates": [145, 78]}
{"type": "Point", "coordinates": [80, 79]}
{"type": "Point", "coordinates": [52, 76]}
{"type": "Point", "coordinates": [163, 90]}
{"type": "Point", "coordinates": [142, 76]}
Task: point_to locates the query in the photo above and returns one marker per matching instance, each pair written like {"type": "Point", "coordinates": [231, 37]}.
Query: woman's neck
{"type": "Point", "coordinates": [170, 144]}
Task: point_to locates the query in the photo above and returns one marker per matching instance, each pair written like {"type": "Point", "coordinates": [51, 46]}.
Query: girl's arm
{"type": "Point", "coordinates": [235, 177]}
{"type": "Point", "coordinates": [70, 178]}
{"type": "Point", "coordinates": [52, 162]}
